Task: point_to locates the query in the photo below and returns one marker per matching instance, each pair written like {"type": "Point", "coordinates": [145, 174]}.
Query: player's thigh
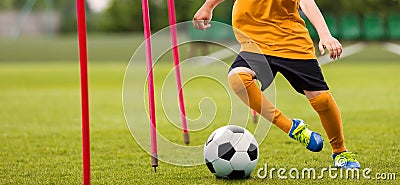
{"type": "Point", "coordinates": [303, 75]}
{"type": "Point", "coordinates": [255, 64]}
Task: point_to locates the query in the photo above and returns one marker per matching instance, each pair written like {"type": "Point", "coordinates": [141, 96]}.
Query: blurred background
{"type": "Point", "coordinates": [40, 117]}
{"type": "Point", "coordinates": [50, 25]}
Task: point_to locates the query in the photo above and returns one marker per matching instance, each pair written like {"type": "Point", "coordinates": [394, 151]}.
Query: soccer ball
{"type": "Point", "coordinates": [231, 152]}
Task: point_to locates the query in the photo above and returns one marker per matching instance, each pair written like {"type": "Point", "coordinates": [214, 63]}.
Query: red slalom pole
{"type": "Point", "coordinates": [81, 20]}
{"type": "Point", "coordinates": [254, 114]}
{"type": "Point", "coordinates": [175, 53]}
{"type": "Point", "coordinates": [150, 84]}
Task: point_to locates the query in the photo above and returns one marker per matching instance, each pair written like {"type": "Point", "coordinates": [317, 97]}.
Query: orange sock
{"type": "Point", "coordinates": [244, 86]}
{"type": "Point", "coordinates": [329, 115]}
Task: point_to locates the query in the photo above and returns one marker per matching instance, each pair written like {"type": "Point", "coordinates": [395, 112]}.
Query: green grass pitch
{"type": "Point", "coordinates": [41, 137]}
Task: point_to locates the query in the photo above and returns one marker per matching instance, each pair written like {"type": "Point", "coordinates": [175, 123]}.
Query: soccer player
{"type": "Point", "coordinates": [273, 39]}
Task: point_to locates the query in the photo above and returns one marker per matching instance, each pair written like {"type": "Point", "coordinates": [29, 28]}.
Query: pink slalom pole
{"type": "Point", "coordinates": [150, 84]}
{"type": "Point", "coordinates": [254, 114]}
{"type": "Point", "coordinates": [175, 53]}
{"type": "Point", "coordinates": [81, 20]}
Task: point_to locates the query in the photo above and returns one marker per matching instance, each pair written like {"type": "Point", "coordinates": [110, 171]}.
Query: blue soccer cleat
{"type": "Point", "coordinates": [345, 160]}
{"type": "Point", "coordinates": [311, 140]}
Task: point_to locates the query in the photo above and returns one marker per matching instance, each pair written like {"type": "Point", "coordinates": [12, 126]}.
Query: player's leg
{"type": "Point", "coordinates": [241, 80]}
{"type": "Point", "coordinates": [324, 104]}
{"type": "Point", "coordinates": [306, 77]}
{"type": "Point", "coordinates": [328, 111]}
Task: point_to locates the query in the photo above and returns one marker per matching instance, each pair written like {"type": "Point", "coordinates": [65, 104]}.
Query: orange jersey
{"type": "Point", "coordinates": [272, 27]}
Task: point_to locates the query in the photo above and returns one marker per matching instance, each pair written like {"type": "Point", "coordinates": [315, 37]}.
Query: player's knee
{"type": "Point", "coordinates": [322, 101]}
{"type": "Point", "coordinates": [240, 81]}
{"type": "Point", "coordinates": [312, 94]}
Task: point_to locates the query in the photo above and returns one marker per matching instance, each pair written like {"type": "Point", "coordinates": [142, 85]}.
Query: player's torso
{"type": "Point", "coordinates": [275, 25]}
{"type": "Point", "coordinates": [267, 10]}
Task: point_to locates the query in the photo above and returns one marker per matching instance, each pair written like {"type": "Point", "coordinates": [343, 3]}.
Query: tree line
{"type": "Point", "coordinates": [126, 15]}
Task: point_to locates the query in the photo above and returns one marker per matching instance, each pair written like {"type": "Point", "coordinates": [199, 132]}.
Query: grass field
{"type": "Point", "coordinates": [41, 137]}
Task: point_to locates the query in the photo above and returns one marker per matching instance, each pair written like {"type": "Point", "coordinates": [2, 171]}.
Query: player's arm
{"type": "Point", "coordinates": [203, 16]}
{"type": "Point", "coordinates": [313, 13]}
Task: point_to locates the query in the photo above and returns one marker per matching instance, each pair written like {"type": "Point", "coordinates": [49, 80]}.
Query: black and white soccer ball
{"type": "Point", "coordinates": [231, 152]}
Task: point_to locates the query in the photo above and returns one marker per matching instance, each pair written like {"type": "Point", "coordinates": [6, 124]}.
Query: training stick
{"type": "Point", "coordinates": [175, 53]}
{"type": "Point", "coordinates": [150, 84]}
{"type": "Point", "coordinates": [81, 20]}
{"type": "Point", "coordinates": [254, 114]}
